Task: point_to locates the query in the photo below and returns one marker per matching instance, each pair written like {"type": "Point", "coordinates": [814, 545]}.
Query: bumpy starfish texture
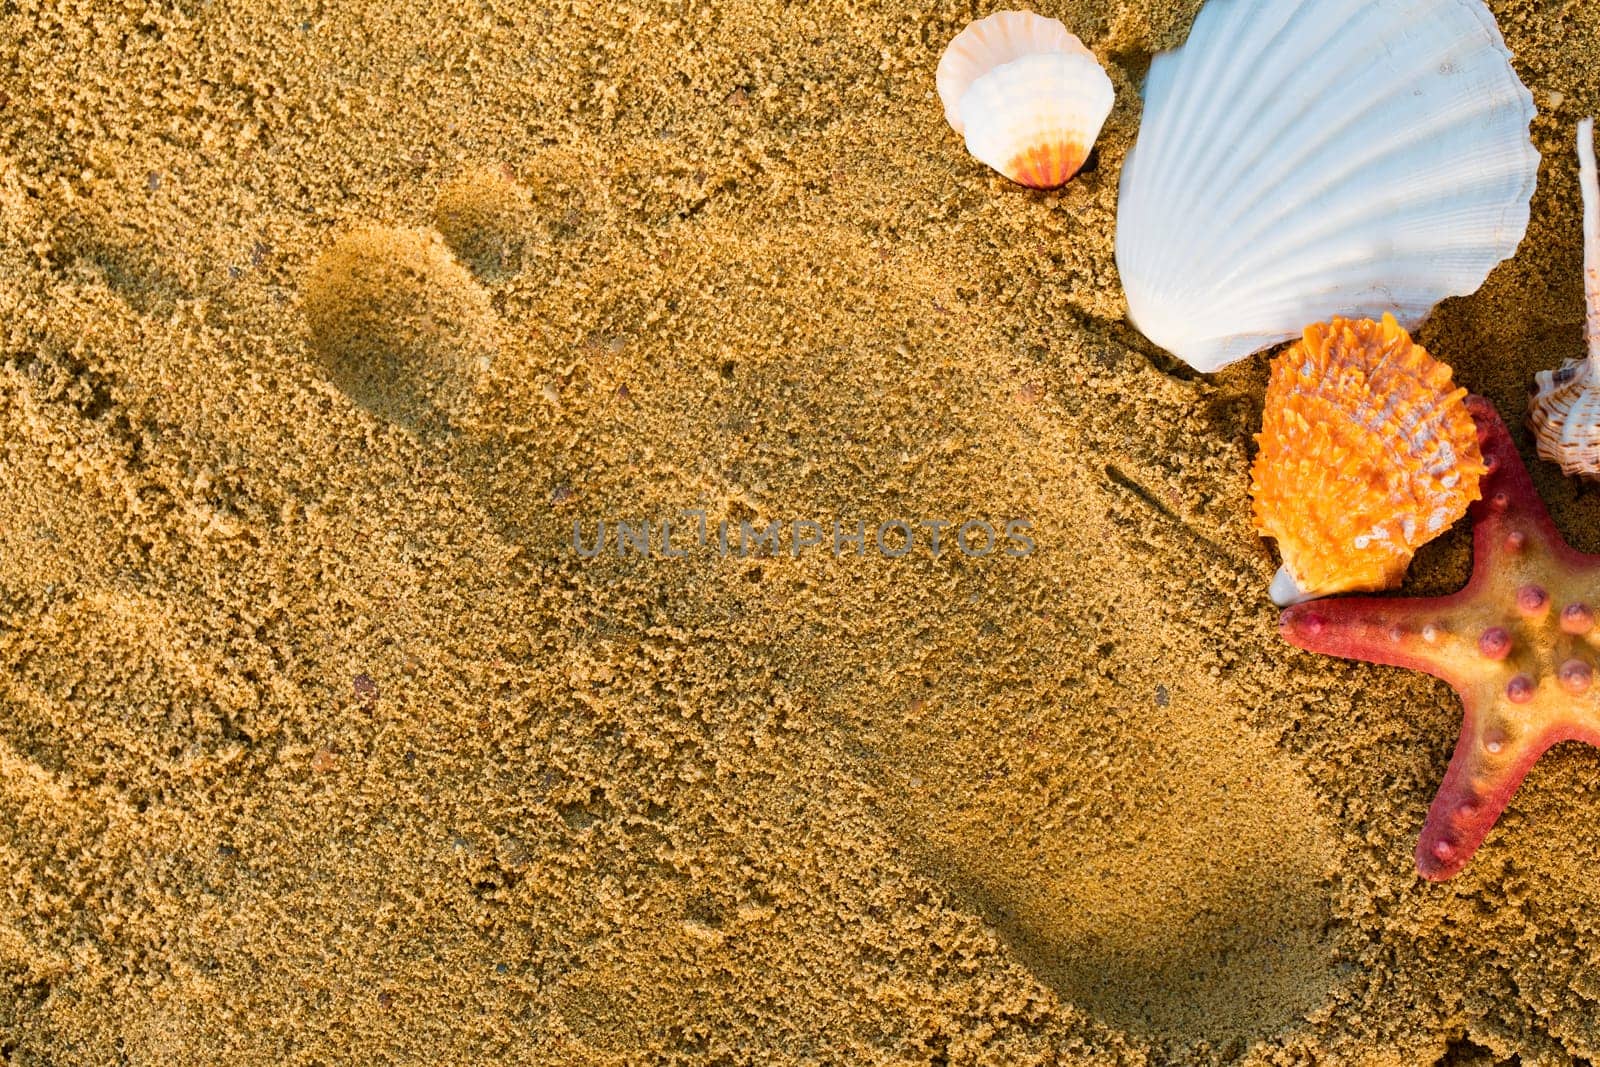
{"type": "Point", "coordinates": [1518, 643]}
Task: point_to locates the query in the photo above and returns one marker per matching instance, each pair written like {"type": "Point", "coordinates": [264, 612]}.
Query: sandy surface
{"type": "Point", "coordinates": [319, 743]}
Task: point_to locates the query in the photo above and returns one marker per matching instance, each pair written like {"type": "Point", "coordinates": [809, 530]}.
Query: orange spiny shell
{"type": "Point", "coordinates": [1366, 453]}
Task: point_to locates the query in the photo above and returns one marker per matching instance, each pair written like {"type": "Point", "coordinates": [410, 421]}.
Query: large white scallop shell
{"type": "Point", "coordinates": [1027, 95]}
{"type": "Point", "coordinates": [1305, 159]}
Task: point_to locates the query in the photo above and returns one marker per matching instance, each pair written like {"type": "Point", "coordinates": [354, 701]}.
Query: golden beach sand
{"type": "Point", "coordinates": [319, 744]}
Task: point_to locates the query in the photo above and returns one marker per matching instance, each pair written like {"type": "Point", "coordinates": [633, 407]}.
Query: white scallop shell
{"type": "Point", "coordinates": [1302, 159]}
{"type": "Point", "coordinates": [1564, 405]}
{"type": "Point", "coordinates": [1027, 95]}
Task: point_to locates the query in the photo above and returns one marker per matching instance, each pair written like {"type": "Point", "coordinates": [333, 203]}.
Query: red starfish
{"type": "Point", "coordinates": [1517, 643]}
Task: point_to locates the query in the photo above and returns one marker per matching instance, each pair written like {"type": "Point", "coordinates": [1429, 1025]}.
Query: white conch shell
{"type": "Point", "coordinates": [1027, 95]}
{"type": "Point", "coordinates": [1306, 159]}
{"type": "Point", "coordinates": [1564, 405]}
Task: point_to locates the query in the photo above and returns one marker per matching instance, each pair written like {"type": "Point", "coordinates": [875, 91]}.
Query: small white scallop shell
{"type": "Point", "coordinates": [1027, 95]}
{"type": "Point", "coordinates": [1306, 159]}
{"type": "Point", "coordinates": [1564, 404]}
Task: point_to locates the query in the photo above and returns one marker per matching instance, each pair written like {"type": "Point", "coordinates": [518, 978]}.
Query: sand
{"type": "Point", "coordinates": [321, 323]}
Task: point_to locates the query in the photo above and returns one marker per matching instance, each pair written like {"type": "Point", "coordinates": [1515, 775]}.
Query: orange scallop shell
{"type": "Point", "coordinates": [1367, 452]}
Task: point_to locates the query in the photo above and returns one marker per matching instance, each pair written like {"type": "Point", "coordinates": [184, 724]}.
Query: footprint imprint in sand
{"type": "Point", "coordinates": [401, 320]}
{"type": "Point", "coordinates": [488, 220]}
{"type": "Point", "coordinates": [1184, 906]}
{"type": "Point", "coordinates": [1145, 856]}
{"type": "Point", "coordinates": [400, 325]}
{"type": "Point", "coordinates": [1052, 739]}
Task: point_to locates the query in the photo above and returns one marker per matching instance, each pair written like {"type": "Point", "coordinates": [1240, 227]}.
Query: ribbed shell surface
{"type": "Point", "coordinates": [1301, 159]}
{"type": "Point", "coordinates": [1564, 414]}
{"type": "Point", "coordinates": [1367, 452]}
{"type": "Point", "coordinates": [1036, 118]}
{"type": "Point", "coordinates": [991, 42]}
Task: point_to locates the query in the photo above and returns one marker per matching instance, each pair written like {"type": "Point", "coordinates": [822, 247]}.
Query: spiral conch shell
{"type": "Point", "coordinates": [1367, 452]}
{"type": "Point", "coordinates": [1027, 95]}
{"type": "Point", "coordinates": [1564, 404]}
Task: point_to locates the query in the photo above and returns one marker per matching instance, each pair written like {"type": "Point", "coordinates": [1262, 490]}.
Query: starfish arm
{"type": "Point", "coordinates": [1394, 631]}
{"type": "Point", "coordinates": [1476, 788]}
{"type": "Point", "coordinates": [1509, 513]}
